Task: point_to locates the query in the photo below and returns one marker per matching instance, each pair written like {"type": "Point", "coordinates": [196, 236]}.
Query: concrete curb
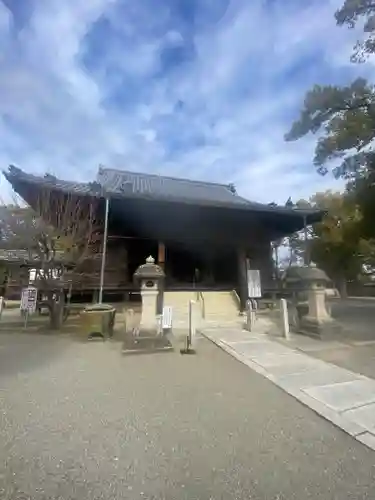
{"type": "Point", "coordinates": [354, 429]}
{"type": "Point", "coordinates": [362, 298]}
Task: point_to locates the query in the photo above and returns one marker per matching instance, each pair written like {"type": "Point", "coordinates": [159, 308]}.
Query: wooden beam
{"type": "Point", "coordinates": [242, 276]}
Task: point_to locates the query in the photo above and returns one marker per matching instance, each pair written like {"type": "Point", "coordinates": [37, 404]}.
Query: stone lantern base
{"type": "Point", "coordinates": [324, 330]}
{"type": "Point", "coordinates": [311, 317]}
{"type": "Point", "coordinates": [143, 343]}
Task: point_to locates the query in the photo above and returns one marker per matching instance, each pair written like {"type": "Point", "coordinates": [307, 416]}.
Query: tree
{"type": "Point", "coordinates": [337, 245]}
{"type": "Point", "coordinates": [295, 243]}
{"type": "Point", "coordinates": [353, 11]}
{"type": "Point", "coordinates": [346, 117]}
{"type": "Point", "coordinates": [60, 234]}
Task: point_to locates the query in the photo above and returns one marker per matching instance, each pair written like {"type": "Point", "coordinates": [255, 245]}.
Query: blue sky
{"type": "Point", "coordinates": [202, 89]}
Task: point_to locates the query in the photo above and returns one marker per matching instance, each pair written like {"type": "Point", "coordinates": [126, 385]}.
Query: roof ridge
{"type": "Point", "coordinates": [183, 179]}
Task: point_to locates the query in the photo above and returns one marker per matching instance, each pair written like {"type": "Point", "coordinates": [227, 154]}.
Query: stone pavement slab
{"type": "Point", "coordinates": [345, 395]}
{"type": "Point", "coordinates": [365, 415]}
{"type": "Point", "coordinates": [345, 398]}
{"type": "Point", "coordinates": [353, 355]}
{"type": "Point", "coordinates": [312, 377]}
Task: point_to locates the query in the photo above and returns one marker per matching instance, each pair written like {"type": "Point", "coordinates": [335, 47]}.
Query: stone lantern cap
{"type": "Point", "coordinates": [305, 275]}
{"type": "Point", "coordinates": [149, 271]}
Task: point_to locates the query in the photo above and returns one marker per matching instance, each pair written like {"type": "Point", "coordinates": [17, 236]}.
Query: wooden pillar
{"type": "Point", "coordinates": [242, 277]}
{"type": "Point", "coordinates": [264, 263]}
{"type": "Point", "coordinates": [161, 255]}
{"type": "Point", "coordinates": [161, 263]}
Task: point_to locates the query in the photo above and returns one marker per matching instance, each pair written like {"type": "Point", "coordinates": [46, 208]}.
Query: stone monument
{"type": "Point", "coordinates": [148, 335]}
{"type": "Point", "coordinates": [308, 284]}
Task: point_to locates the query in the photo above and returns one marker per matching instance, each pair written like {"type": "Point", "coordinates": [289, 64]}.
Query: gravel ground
{"type": "Point", "coordinates": [79, 421]}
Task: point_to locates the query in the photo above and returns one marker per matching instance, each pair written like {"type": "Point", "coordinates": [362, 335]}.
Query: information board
{"type": "Point", "coordinates": [253, 284]}
{"type": "Point", "coordinates": [29, 298]}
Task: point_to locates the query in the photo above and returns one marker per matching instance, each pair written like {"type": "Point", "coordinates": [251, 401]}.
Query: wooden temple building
{"type": "Point", "coordinates": [203, 234]}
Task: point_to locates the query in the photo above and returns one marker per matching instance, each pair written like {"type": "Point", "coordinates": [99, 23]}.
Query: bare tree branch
{"type": "Point", "coordinates": [62, 236]}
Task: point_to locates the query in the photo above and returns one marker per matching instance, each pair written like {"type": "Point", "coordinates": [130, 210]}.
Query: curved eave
{"type": "Point", "coordinates": [296, 217]}
{"type": "Point", "coordinates": [310, 216]}
{"type": "Point", "coordinates": [20, 177]}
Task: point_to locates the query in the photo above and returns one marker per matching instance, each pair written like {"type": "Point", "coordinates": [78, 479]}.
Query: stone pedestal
{"type": "Point", "coordinates": [149, 295]}
{"type": "Point", "coordinates": [317, 304]}
{"type": "Point", "coordinates": [147, 336]}
{"type": "Point", "coordinates": [318, 322]}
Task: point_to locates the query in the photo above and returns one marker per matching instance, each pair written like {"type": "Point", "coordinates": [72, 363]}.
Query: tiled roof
{"type": "Point", "coordinates": [132, 184]}
{"type": "Point", "coordinates": [125, 184]}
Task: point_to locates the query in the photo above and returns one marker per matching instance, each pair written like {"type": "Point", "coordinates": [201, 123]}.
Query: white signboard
{"type": "Point", "coordinates": [253, 284]}
{"type": "Point", "coordinates": [29, 298]}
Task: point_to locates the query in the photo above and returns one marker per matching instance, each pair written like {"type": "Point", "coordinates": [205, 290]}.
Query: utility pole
{"type": "Point", "coordinates": [104, 253]}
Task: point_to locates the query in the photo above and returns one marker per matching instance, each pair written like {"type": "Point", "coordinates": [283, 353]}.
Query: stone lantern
{"type": "Point", "coordinates": [148, 337]}
{"type": "Point", "coordinates": [310, 283]}
{"type": "Point", "coordinates": [149, 276]}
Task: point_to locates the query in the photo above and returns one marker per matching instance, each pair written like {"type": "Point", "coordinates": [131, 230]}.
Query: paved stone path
{"type": "Point", "coordinates": [355, 356]}
{"type": "Point", "coordinates": [345, 398]}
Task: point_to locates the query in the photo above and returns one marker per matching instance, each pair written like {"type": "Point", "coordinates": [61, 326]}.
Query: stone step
{"type": "Point", "coordinates": [220, 303]}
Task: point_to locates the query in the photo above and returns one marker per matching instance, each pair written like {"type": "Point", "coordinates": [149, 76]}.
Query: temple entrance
{"type": "Point", "coordinates": [183, 266]}
{"type": "Point", "coordinates": [189, 266]}
{"type": "Point", "coordinates": [138, 250]}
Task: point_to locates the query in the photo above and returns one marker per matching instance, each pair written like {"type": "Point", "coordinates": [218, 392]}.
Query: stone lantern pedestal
{"type": "Point", "coordinates": [309, 283]}
{"type": "Point", "coordinates": [148, 335]}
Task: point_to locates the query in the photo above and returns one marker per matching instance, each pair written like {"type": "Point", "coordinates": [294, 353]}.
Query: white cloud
{"type": "Point", "coordinates": [72, 96]}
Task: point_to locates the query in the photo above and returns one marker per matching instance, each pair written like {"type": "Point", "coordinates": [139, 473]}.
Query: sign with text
{"type": "Point", "coordinates": [253, 284]}
{"type": "Point", "coordinates": [29, 297]}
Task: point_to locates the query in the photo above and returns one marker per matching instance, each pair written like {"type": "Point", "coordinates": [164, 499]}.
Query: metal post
{"type": "Point", "coordinates": [250, 314]}
{"type": "Point", "coordinates": [192, 325]}
{"type": "Point", "coordinates": [105, 237]}
{"type": "Point", "coordinates": [190, 338]}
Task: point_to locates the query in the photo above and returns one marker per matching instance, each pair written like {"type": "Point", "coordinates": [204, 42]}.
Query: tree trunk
{"type": "Point", "coordinates": [277, 263]}
{"type": "Point", "coordinates": [56, 304]}
{"type": "Point", "coordinates": [341, 284]}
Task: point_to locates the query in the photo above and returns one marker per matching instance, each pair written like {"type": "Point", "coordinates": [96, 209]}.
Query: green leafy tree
{"type": "Point", "coordinates": [337, 245]}
{"type": "Point", "coordinates": [345, 118]}
{"type": "Point", "coordinates": [352, 12]}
